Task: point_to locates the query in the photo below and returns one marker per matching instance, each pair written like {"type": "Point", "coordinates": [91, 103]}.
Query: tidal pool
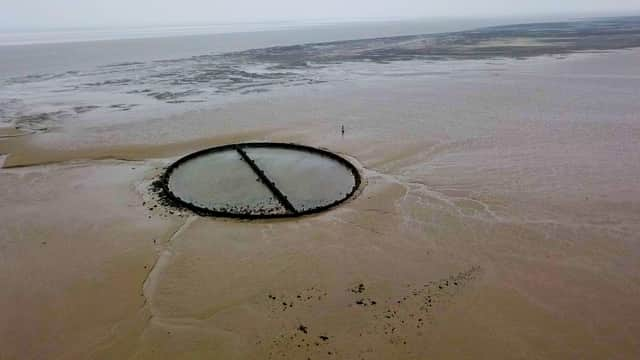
{"type": "Point", "coordinates": [261, 180]}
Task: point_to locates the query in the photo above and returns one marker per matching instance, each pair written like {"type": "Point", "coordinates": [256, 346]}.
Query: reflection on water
{"type": "Point", "coordinates": [308, 180]}
{"type": "Point", "coordinates": [222, 181]}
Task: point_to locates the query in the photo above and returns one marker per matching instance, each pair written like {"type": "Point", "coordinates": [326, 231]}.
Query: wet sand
{"type": "Point", "coordinates": [500, 219]}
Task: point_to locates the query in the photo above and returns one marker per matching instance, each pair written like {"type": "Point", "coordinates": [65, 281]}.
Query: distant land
{"type": "Point", "coordinates": [520, 41]}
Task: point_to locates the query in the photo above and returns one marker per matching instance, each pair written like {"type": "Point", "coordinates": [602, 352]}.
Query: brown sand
{"type": "Point", "coordinates": [500, 220]}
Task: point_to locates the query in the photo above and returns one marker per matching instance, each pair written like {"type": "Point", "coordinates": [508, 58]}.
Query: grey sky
{"type": "Point", "coordinates": [80, 13]}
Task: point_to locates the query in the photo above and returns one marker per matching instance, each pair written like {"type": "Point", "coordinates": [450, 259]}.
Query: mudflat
{"type": "Point", "coordinates": [499, 218]}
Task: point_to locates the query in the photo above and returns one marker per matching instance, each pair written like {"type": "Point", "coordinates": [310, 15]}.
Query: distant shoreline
{"type": "Point", "coordinates": [512, 41]}
{"type": "Point", "coordinates": [54, 36]}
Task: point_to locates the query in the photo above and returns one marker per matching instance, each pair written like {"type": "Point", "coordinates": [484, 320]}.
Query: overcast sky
{"type": "Point", "coordinates": [83, 13]}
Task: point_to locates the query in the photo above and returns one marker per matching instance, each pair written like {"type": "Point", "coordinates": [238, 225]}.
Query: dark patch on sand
{"type": "Point", "coordinates": [172, 96]}
{"type": "Point", "coordinates": [111, 82]}
{"type": "Point", "coordinates": [282, 303]}
{"type": "Point", "coordinates": [122, 107]}
{"type": "Point", "coordinates": [84, 109]}
{"type": "Point", "coordinates": [40, 122]}
{"type": "Point", "coordinates": [396, 321]}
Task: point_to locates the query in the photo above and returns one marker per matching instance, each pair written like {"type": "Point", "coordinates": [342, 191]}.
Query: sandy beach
{"type": "Point", "coordinates": [499, 219]}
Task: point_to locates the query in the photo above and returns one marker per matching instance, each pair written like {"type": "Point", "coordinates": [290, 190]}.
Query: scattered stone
{"type": "Point", "coordinates": [358, 289]}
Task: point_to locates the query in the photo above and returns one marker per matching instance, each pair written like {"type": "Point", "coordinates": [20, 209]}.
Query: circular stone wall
{"type": "Point", "coordinates": [260, 180]}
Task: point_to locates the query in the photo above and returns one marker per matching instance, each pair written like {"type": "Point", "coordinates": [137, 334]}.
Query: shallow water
{"type": "Point", "coordinates": [222, 181]}
{"type": "Point", "coordinates": [308, 180]}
